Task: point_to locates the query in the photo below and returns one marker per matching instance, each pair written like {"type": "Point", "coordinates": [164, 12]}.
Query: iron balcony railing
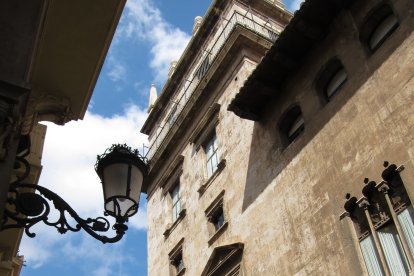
{"type": "Point", "coordinates": [189, 87]}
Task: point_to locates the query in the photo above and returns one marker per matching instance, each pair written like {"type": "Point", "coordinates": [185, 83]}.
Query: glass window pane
{"type": "Point", "coordinates": [370, 257]}
{"type": "Point", "coordinates": [393, 251]}
{"type": "Point", "coordinates": [336, 81]}
{"type": "Point", "coordinates": [214, 161]}
{"type": "Point", "coordinates": [212, 157]}
{"type": "Point", "coordinates": [382, 30]}
{"type": "Point", "coordinates": [175, 194]}
{"type": "Point", "coordinates": [406, 221]}
{"type": "Point", "coordinates": [295, 127]}
{"type": "Point", "coordinates": [209, 168]}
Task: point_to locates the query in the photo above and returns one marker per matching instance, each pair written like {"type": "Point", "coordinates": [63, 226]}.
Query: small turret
{"type": "Point", "coordinates": [153, 98]}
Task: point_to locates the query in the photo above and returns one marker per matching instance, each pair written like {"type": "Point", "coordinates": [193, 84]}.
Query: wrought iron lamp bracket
{"type": "Point", "coordinates": [25, 208]}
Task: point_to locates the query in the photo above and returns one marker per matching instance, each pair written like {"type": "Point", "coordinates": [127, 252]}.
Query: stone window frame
{"type": "Point", "coordinates": [175, 255]}
{"type": "Point", "coordinates": [201, 136]}
{"type": "Point", "coordinates": [287, 122]}
{"type": "Point", "coordinates": [225, 260]}
{"type": "Point", "coordinates": [211, 212]}
{"type": "Point", "coordinates": [169, 182]}
{"type": "Point", "coordinates": [326, 76]}
{"type": "Point", "coordinates": [372, 22]}
{"type": "Point", "coordinates": [377, 210]}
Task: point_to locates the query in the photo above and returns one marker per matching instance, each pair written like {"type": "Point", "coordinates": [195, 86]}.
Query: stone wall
{"type": "Point", "coordinates": [284, 203]}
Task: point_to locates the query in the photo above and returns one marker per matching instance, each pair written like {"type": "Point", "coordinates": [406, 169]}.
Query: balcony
{"type": "Point", "coordinates": [187, 90]}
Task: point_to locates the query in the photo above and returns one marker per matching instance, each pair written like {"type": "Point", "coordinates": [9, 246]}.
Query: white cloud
{"type": "Point", "coordinates": [295, 4]}
{"type": "Point", "coordinates": [145, 22]}
{"type": "Point", "coordinates": [97, 260]}
{"type": "Point", "coordinates": [68, 169]}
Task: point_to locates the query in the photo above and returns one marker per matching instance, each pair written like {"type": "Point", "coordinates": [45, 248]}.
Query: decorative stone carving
{"type": "Point", "coordinates": [47, 107]}
{"type": "Point", "coordinates": [197, 24]}
{"type": "Point", "coordinates": [9, 122]}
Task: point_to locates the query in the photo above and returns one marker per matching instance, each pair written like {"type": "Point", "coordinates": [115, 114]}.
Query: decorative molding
{"type": "Point", "coordinates": [176, 249]}
{"type": "Point", "coordinates": [205, 126]}
{"type": "Point", "coordinates": [218, 233]}
{"type": "Point", "coordinates": [47, 107]}
{"type": "Point", "coordinates": [216, 203]}
{"type": "Point", "coordinates": [344, 215]}
{"type": "Point", "coordinates": [211, 212]}
{"type": "Point", "coordinates": [172, 226]}
{"type": "Point", "coordinates": [174, 253]}
{"type": "Point", "coordinates": [222, 256]}
{"type": "Point", "coordinates": [171, 174]}
{"type": "Point", "coordinates": [220, 168]}
{"type": "Point", "coordinates": [8, 126]}
{"type": "Point", "coordinates": [12, 101]}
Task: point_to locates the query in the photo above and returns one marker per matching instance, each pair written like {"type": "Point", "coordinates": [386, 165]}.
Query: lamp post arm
{"type": "Point", "coordinates": [26, 208]}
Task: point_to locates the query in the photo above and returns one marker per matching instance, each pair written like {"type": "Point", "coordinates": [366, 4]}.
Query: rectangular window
{"type": "Point", "coordinates": [178, 263]}
{"type": "Point", "coordinates": [176, 202]}
{"type": "Point", "coordinates": [212, 155]}
{"type": "Point", "coordinates": [406, 221]}
{"type": "Point", "coordinates": [177, 267]}
{"type": "Point", "coordinates": [387, 246]}
{"type": "Point", "coordinates": [371, 257]}
{"type": "Point", "coordinates": [393, 250]}
{"type": "Point", "coordinates": [217, 219]}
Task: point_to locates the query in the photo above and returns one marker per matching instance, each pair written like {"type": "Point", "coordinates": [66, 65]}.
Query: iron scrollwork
{"type": "Point", "coordinates": [28, 204]}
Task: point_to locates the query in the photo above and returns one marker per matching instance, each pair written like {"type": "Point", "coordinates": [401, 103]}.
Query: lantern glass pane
{"type": "Point", "coordinates": [122, 201]}
{"type": "Point", "coordinates": [115, 180]}
{"type": "Point", "coordinates": [136, 183]}
{"type": "Point", "coordinates": [121, 207]}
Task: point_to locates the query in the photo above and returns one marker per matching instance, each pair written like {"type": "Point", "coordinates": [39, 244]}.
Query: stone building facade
{"type": "Point", "coordinates": [297, 163]}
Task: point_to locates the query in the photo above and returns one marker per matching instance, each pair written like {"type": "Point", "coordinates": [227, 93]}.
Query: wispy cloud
{"type": "Point", "coordinates": [117, 70]}
{"type": "Point", "coordinates": [69, 157]}
{"type": "Point", "coordinates": [144, 22]}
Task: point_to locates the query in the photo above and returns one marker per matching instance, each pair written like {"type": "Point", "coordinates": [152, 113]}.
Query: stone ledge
{"type": "Point", "coordinates": [220, 168]}
{"type": "Point", "coordinates": [171, 227]}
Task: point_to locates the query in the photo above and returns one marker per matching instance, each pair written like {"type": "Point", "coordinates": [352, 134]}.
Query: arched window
{"type": "Point", "coordinates": [378, 26]}
{"type": "Point", "coordinates": [291, 125]}
{"type": "Point", "coordinates": [331, 78]}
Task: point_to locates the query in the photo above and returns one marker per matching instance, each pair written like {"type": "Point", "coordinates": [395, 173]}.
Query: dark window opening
{"type": "Point", "coordinates": [378, 26]}
{"type": "Point", "coordinates": [330, 79]}
{"type": "Point", "coordinates": [178, 263]}
{"type": "Point", "coordinates": [217, 218]}
{"type": "Point", "coordinates": [291, 125]}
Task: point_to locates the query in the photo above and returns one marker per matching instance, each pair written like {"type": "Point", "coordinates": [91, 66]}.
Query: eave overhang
{"type": "Point", "coordinates": [73, 40]}
{"type": "Point", "coordinates": [309, 25]}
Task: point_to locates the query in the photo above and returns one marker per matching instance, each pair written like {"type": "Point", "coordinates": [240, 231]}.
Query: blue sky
{"type": "Point", "coordinates": [150, 35]}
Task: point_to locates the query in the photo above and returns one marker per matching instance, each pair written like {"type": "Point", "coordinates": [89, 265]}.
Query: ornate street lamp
{"type": "Point", "coordinates": [122, 172]}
